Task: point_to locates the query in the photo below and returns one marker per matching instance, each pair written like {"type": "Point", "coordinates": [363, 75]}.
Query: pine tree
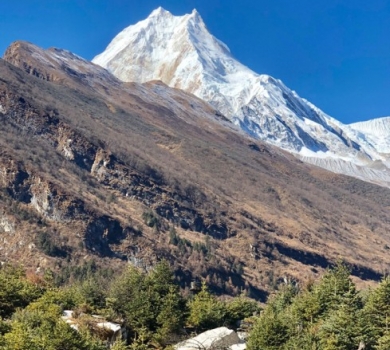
{"type": "Point", "coordinates": [377, 311]}
{"type": "Point", "coordinates": [239, 308]}
{"type": "Point", "coordinates": [171, 316]}
{"type": "Point", "coordinates": [269, 333]}
{"type": "Point", "coordinates": [205, 311]}
{"type": "Point", "coordinates": [342, 327]}
{"type": "Point", "coordinates": [383, 342]}
{"type": "Point", "coordinates": [16, 291]}
{"type": "Point", "coordinates": [332, 287]}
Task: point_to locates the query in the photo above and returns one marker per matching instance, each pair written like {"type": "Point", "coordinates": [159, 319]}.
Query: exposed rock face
{"type": "Point", "coordinates": [12, 177]}
{"type": "Point", "coordinates": [54, 204]}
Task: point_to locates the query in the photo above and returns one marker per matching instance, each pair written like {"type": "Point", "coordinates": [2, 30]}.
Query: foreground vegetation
{"type": "Point", "coordinates": [149, 304]}
{"type": "Point", "coordinates": [328, 315]}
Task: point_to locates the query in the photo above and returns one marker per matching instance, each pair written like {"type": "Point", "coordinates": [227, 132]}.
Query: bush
{"type": "Point", "coordinates": [151, 219]}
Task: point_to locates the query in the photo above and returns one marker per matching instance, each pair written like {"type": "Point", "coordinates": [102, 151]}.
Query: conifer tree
{"type": "Point", "coordinates": [377, 311]}
{"type": "Point", "coordinates": [383, 342]}
{"type": "Point", "coordinates": [205, 311]}
{"type": "Point", "coordinates": [334, 284]}
{"type": "Point", "coordinates": [269, 333]}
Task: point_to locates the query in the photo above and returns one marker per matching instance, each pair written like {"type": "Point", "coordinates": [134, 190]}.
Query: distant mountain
{"type": "Point", "coordinates": [180, 51]}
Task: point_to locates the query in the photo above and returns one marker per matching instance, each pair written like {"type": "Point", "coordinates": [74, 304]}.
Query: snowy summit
{"type": "Point", "coordinates": [180, 51]}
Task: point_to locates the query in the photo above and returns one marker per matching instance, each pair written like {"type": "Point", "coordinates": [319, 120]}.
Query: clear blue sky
{"type": "Point", "coordinates": [335, 53]}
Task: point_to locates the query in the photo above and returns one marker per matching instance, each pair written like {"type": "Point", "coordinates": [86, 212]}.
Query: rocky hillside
{"type": "Point", "coordinates": [92, 168]}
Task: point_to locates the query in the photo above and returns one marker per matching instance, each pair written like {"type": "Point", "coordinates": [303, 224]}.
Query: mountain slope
{"type": "Point", "coordinates": [180, 51]}
{"type": "Point", "coordinates": [118, 172]}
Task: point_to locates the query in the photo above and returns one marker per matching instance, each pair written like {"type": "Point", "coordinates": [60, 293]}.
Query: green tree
{"type": "Point", "coordinates": [326, 315]}
{"type": "Point", "coordinates": [65, 298]}
{"type": "Point", "coordinates": [342, 328]}
{"type": "Point", "coordinates": [133, 299]}
{"type": "Point", "coordinates": [141, 340]}
{"type": "Point", "coordinates": [239, 308]}
{"type": "Point", "coordinates": [305, 309]}
{"type": "Point", "coordinates": [171, 315]}
{"type": "Point", "coordinates": [150, 302]}
{"type": "Point", "coordinates": [206, 311]}
{"type": "Point", "coordinates": [383, 342]}
{"type": "Point", "coordinates": [269, 332]}
{"type": "Point", "coordinates": [119, 345]}
{"type": "Point", "coordinates": [43, 329]}
{"type": "Point", "coordinates": [334, 284]}
{"type": "Point", "coordinates": [377, 311]}
{"type": "Point", "coordinates": [303, 340]}
{"type": "Point", "coordinates": [16, 290]}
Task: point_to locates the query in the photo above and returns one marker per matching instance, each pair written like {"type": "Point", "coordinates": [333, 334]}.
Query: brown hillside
{"type": "Point", "coordinates": [104, 170]}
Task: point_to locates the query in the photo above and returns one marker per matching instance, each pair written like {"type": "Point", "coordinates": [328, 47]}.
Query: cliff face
{"type": "Point", "coordinates": [95, 169]}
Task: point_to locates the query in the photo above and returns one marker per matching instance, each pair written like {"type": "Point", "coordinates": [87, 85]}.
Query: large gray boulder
{"type": "Point", "coordinates": [214, 339]}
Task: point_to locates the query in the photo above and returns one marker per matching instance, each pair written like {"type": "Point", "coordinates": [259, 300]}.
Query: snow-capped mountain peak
{"type": "Point", "coordinates": [180, 51]}
{"type": "Point", "coordinates": [158, 12]}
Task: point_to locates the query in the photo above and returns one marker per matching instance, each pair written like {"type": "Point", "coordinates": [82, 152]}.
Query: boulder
{"type": "Point", "coordinates": [218, 338]}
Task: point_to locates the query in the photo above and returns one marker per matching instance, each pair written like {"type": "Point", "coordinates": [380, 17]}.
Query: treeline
{"type": "Point", "coordinates": [149, 304]}
{"type": "Point", "coordinates": [328, 315]}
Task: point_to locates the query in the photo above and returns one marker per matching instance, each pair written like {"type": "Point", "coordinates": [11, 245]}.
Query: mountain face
{"type": "Point", "coordinates": [95, 169]}
{"type": "Point", "coordinates": [180, 51]}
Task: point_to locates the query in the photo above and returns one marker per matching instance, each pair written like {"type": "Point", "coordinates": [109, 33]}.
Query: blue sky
{"type": "Point", "coordinates": [335, 53]}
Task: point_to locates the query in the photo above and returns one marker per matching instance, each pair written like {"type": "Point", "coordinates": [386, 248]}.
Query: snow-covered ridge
{"type": "Point", "coordinates": [378, 126]}
{"type": "Point", "coordinates": [376, 133]}
{"type": "Point", "coordinates": [180, 51]}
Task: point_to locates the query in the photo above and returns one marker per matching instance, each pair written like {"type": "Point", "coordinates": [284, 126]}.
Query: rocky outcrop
{"type": "Point", "coordinates": [6, 225]}
{"type": "Point", "coordinates": [53, 203]}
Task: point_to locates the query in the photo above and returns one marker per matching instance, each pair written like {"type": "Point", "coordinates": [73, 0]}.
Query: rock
{"type": "Point", "coordinates": [6, 225]}
{"type": "Point", "coordinates": [243, 336]}
{"type": "Point", "coordinates": [238, 347]}
{"type": "Point", "coordinates": [218, 338]}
